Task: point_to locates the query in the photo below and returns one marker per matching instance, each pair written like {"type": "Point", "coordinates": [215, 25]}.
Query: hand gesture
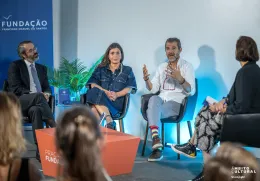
{"type": "Point", "coordinates": [175, 74]}
{"type": "Point", "coordinates": [145, 73]}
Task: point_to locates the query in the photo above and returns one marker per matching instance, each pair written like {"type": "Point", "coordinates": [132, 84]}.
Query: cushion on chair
{"type": "Point", "coordinates": [242, 128]}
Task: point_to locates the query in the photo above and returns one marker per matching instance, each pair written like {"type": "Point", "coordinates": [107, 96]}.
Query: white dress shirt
{"type": "Point", "coordinates": [32, 84]}
{"type": "Point", "coordinates": [169, 88]}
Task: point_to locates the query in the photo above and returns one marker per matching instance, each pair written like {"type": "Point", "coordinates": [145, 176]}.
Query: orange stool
{"type": "Point", "coordinates": [118, 155]}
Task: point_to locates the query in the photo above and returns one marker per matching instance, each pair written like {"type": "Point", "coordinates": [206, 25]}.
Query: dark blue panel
{"type": "Point", "coordinates": [25, 20]}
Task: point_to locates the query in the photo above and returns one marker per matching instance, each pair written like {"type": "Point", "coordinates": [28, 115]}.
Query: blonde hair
{"type": "Point", "coordinates": [12, 142]}
{"type": "Point", "coordinates": [228, 160]}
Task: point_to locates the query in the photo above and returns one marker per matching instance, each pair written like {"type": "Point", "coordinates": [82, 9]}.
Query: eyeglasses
{"type": "Point", "coordinates": [32, 50]}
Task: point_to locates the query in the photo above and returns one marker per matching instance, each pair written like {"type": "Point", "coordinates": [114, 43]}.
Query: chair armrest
{"type": "Point", "coordinates": [125, 106]}
{"type": "Point", "coordinates": [52, 103]}
{"type": "Point", "coordinates": [83, 98]}
{"type": "Point", "coordinates": [144, 104]}
{"type": "Point", "coordinates": [241, 128]}
{"type": "Point", "coordinates": [133, 91]}
{"type": "Point", "coordinates": [183, 108]}
{"type": "Point", "coordinates": [5, 86]}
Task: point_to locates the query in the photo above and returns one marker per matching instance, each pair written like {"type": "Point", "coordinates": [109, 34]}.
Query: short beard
{"type": "Point", "coordinates": [176, 57]}
{"type": "Point", "coordinates": [33, 58]}
{"type": "Point", "coordinates": [36, 58]}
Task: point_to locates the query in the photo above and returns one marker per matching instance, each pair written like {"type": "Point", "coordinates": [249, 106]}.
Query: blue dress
{"type": "Point", "coordinates": [123, 77]}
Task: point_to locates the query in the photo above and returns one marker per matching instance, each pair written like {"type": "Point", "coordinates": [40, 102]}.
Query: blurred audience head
{"type": "Point", "coordinates": [246, 49]}
{"type": "Point", "coordinates": [12, 142]}
{"type": "Point", "coordinates": [232, 163]}
{"type": "Point", "coordinates": [79, 141]}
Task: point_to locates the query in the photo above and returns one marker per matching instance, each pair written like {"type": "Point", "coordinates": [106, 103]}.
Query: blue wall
{"type": "Point", "coordinates": [25, 20]}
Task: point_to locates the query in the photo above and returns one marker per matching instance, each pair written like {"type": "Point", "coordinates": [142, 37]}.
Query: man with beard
{"type": "Point", "coordinates": [174, 79]}
{"type": "Point", "coordinates": [28, 80]}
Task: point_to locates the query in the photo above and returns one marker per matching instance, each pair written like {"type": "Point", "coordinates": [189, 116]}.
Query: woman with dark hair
{"type": "Point", "coordinates": [79, 142]}
{"type": "Point", "coordinates": [109, 83]}
{"type": "Point", "coordinates": [243, 98]}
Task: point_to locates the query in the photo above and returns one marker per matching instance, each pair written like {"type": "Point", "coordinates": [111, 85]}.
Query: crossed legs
{"type": "Point", "coordinates": [98, 110]}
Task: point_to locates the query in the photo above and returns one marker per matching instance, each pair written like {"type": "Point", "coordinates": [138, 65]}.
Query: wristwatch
{"type": "Point", "coordinates": [183, 81]}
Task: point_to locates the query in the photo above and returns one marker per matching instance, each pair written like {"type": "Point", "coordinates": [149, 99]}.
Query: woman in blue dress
{"type": "Point", "coordinates": [109, 84]}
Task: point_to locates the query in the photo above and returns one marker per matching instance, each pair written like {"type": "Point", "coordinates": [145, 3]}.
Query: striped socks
{"type": "Point", "coordinates": [155, 136]}
{"type": "Point", "coordinates": [154, 131]}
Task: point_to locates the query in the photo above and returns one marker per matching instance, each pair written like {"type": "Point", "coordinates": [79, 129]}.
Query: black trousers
{"type": "Point", "coordinates": [36, 108]}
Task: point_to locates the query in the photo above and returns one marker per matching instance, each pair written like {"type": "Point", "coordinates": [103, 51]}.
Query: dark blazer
{"type": "Point", "coordinates": [19, 81]}
{"type": "Point", "coordinates": [244, 96]}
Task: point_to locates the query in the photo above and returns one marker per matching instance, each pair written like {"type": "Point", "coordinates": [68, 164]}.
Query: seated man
{"type": "Point", "coordinates": [175, 80]}
{"type": "Point", "coordinates": [28, 80]}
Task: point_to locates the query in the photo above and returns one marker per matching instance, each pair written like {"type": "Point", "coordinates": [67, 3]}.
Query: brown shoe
{"type": "Point", "coordinates": [155, 156]}
{"type": "Point", "coordinates": [156, 144]}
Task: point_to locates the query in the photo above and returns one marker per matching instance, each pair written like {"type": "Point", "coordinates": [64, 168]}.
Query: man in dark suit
{"type": "Point", "coordinates": [28, 80]}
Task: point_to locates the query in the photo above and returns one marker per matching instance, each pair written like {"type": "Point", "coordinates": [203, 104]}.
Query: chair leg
{"type": "Point", "coordinates": [178, 138]}
{"type": "Point", "coordinates": [121, 124]}
{"type": "Point", "coordinates": [145, 138]}
{"type": "Point", "coordinates": [190, 130]}
{"type": "Point", "coordinates": [163, 135]}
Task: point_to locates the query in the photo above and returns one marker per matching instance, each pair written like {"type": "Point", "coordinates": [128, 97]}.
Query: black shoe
{"type": "Point", "coordinates": [186, 149]}
{"type": "Point", "coordinates": [155, 156]}
{"type": "Point", "coordinates": [199, 177]}
{"type": "Point", "coordinates": [111, 125]}
{"type": "Point", "coordinates": [38, 156]}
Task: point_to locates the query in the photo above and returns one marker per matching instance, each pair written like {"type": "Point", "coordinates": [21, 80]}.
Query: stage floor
{"type": "Point", "coordinates": [168, 169]}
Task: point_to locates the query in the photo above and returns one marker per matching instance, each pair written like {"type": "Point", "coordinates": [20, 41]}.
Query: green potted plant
{"type": "Point", "coordinates": [71, 75]}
